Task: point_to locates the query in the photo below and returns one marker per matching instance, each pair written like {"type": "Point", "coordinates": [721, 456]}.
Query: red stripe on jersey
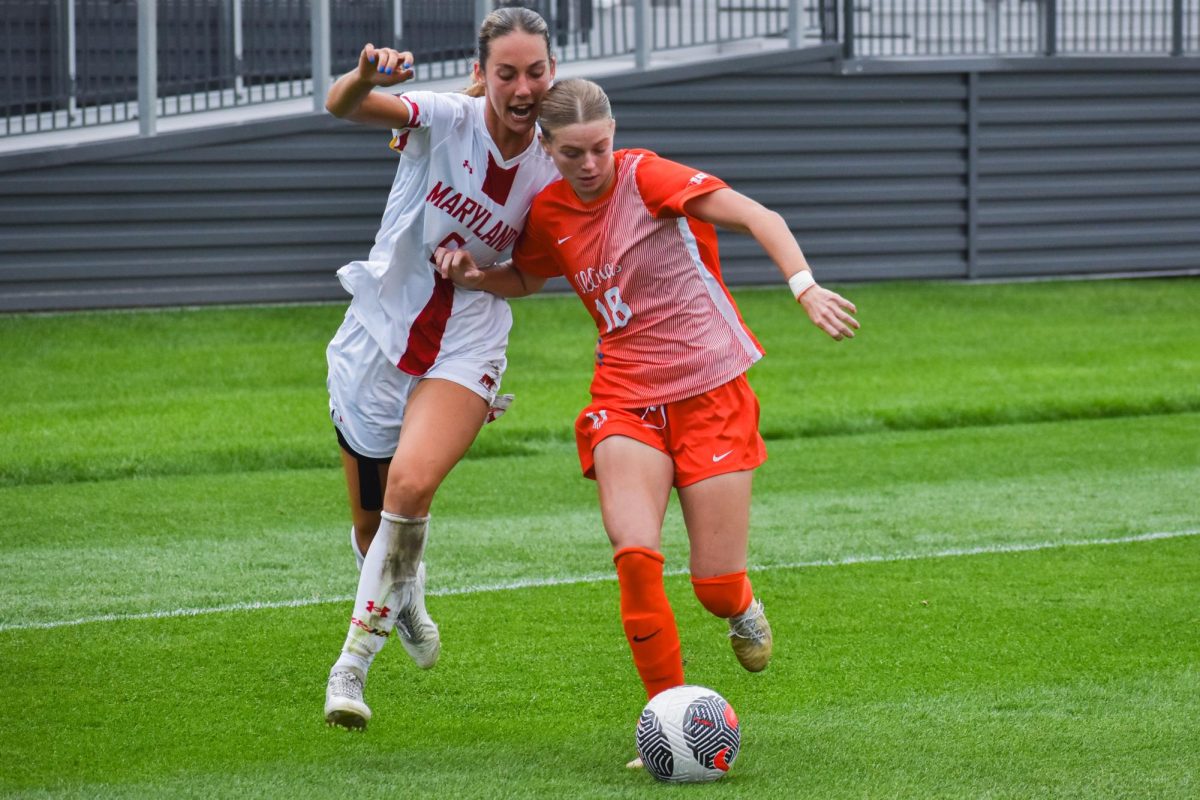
{"type": "Point", "coordinates": [398, 142]}
{"type": "Point", "coordinates": [499, 181]}
{"type": "Point", "coordinates": [414, 119]}
{"type": "Point", "coordinates": [425, 335]}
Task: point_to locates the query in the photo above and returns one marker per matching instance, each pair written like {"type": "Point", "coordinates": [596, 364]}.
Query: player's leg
{"type": "Point", "coordinates": [365, 479]}
{"type": "Point", "coordinates": [717, 447]}
{"type": "Point", "coordinates": [442, 419]}
{"type": "Point", "coordinates": [366, 405]}
{"type": "Point", "coordinates": [366, 400]}
{"type": "Point", "coordinates": [716, 512]}
{"type": "Point", "coordinates": [634, 480]}
{"type": "Point", "coordinates": [344, 703]}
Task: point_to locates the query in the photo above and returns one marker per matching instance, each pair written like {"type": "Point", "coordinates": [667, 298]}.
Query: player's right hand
{"type": "Point", "coordinates": [458, 266]}
{"type": "Point", "coordinates": [383, 66]}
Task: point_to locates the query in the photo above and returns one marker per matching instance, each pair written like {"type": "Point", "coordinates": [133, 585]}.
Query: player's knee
{"type": "Point", "coordinates": [724, 595]}
{"type": "Point", "coordinates": [409, 493]}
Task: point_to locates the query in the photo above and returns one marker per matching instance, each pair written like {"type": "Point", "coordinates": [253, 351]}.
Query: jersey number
{"type": "Point", "coordinates": [616, 313]}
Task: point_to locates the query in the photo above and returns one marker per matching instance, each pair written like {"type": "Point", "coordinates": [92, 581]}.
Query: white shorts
{"type": "Point", "coordinates": [367, 393]}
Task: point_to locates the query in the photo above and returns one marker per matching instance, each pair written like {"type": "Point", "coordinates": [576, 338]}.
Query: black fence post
{"type": "Point", "coordinates": [1176, 27]}
{"type": "Point", "coordinates": [848, 28]}
{"type": "Point", "coordinates": [1050, 27]}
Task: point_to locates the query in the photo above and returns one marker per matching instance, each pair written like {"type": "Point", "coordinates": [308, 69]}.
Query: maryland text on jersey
{"type": "Point", "coordinates": [474, 215]}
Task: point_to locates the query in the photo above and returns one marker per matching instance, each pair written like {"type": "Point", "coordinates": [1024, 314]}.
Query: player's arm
{"type": "Point", "coordinates": [503, 280]}
{"type": "Point", "coordinates": [352, 96]}
{"type": "Point", "coordinates": [734, 211]}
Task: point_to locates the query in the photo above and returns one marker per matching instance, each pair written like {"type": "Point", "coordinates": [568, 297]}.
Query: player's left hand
{"type": "Point", "coordinates": [458, 266]}
{"type": "Point", "coordinates": [830, 312]}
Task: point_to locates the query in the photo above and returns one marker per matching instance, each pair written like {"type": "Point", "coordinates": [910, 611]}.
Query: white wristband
{"type": "Point", "coordinates": [801, 282]}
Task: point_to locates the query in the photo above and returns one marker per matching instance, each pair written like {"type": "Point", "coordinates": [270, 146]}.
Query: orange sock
{"type": "Point", "coordinates": [724, 595]}
{"type": "Point", "coordinates": [648, 619]}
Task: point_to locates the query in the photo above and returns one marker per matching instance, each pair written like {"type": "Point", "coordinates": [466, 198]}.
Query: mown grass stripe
{"type": "Point", "coordinates": [532, 583]}
{"type": "Point", "coordinates": [269, 457]}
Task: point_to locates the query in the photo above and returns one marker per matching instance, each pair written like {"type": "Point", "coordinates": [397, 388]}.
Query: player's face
{"type": "Point", "coordinates": [583, 153]}
{"type": "Point", "coordinates": [518, 75]}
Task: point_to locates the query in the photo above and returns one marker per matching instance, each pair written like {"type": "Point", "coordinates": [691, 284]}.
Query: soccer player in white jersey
{"type": "Point", "coordinates": [671, 408]}
{"type": "Point", "coordinates": [415, 368]}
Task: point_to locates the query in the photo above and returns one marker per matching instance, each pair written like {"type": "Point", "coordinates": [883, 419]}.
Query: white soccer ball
{"type": "Point", "coordinates": [688, 734]}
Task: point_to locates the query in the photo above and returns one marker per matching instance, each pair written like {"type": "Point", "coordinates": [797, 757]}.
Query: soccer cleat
{"type": "Point", "coordinates": [750, 635]}
{"type": "Point", "coordinates": [418, 633]}
{"type": "Point", "coordinates": [635, 764]}
{"type": "Point", "coordinates": [344, 704]}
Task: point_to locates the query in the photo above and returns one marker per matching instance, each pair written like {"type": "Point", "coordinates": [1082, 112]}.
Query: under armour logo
{"type": "Point", "coordinates": [467, 166]}
{"type": "Point", "coordinates": [372, 608]}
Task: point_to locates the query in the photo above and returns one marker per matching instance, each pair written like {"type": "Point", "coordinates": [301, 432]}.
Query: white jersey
{"type": "Point", "coordinates": [452, 189]}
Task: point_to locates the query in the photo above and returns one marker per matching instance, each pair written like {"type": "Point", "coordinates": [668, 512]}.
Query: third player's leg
{"type": "Point", "coordinates": [366, 520]}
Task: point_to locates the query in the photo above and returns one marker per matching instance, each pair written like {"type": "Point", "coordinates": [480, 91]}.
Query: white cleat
{"type": "Point", "coordinates": [635, 764]}
{"type": "Point", "coordinates": [750, 635]}
{"type": "Point", "coordinates": [417, 631]}
{"type": "Point", "coordinates": [344, 704]}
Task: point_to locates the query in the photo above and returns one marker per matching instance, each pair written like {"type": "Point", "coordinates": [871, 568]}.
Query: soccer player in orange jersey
{"type": "Point", "coordinates": [671, 408]}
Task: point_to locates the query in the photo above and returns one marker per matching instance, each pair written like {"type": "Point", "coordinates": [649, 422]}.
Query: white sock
{"type": "Point", "coordinates": [359, 556]}
{"type": "Point", "coordinates": [391, 561]}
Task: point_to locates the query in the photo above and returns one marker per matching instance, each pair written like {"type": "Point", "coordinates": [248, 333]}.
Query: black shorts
{"type": "Point", "coordinates": [370, 490]}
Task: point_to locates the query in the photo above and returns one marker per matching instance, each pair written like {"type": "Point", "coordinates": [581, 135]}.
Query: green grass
{"type": "Point", "coordinates": [95, 396]}
{"type": "Point", "coordinates": [182, 460]}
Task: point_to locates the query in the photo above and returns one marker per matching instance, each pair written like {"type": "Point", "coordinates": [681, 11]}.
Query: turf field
{"type": "Point", "coordinates": [977, 539]}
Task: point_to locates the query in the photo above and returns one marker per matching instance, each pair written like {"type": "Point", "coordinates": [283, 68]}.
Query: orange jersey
{"type": "Point", "coordinates": [650, 277]}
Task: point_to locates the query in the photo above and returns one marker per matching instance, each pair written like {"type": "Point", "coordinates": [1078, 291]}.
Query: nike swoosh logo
{"type": "Point", "coordinates": [560, 241]}
{"type": "Point", "coordinates": [718, 458]}
{"type": "Point", "coordinates": [647, 638]}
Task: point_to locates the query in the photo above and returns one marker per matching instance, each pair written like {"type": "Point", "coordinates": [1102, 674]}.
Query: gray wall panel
{"type": "Point", "coordinates": [1088, 172]}
{"type": "Point", "coordinates": [867, 171]}
{"type": "Point", "coordinates": [1068, 167]}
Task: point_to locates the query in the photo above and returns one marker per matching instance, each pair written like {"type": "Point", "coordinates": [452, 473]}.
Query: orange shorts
{"type": "Point", "coordinates": [706, 435]}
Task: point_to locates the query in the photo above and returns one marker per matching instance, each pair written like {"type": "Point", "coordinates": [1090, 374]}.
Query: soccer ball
{"type": "Point", "coordinates": [688, 734]}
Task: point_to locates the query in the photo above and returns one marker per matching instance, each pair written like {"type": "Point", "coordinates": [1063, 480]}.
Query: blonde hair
{"type": "Point", "coordinates": [572, 101]}
{"type": "Point", "coordinates": [502, 22]}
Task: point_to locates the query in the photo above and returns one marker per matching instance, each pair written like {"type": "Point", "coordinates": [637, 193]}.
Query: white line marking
{"type": "Point", "coordinates": [532, 583]}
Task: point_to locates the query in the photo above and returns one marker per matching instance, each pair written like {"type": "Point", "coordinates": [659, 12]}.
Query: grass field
{"type": "Point", "coordinates": [977, 538]}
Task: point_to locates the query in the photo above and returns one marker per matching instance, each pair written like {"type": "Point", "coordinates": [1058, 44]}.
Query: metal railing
{"type": "Point", "coordinates": [77, 63]}
{"type": "Point", "coordinates": [889, 28]}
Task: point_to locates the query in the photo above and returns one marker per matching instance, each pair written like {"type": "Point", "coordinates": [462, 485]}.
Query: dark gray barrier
{"type": "Point", "coordinates": [971, 169]}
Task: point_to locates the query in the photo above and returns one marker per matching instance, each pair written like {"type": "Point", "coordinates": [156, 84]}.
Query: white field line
{"type": "Point", "coordinates": [529, 583]}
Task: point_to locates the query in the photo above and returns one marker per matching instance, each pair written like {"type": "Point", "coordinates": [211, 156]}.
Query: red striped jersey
{"type": "Point", "coordinates": [650, 277]}
{"type": "Point", "coordinates": [452, 188]}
